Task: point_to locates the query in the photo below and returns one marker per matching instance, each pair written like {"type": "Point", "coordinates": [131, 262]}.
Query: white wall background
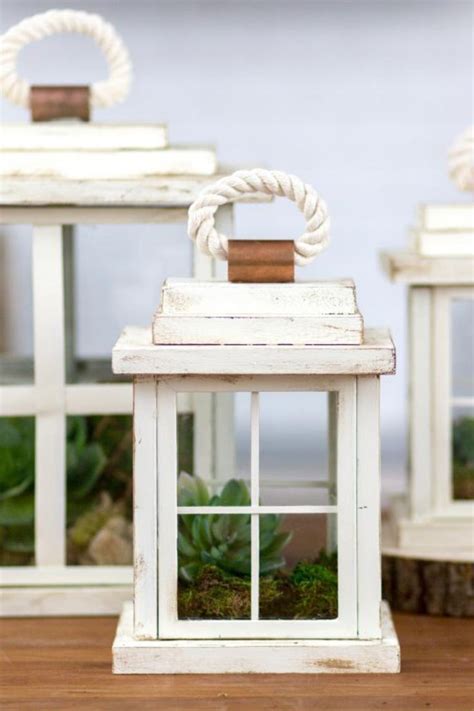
{"type": "Point", "coordinates": [361, 99]}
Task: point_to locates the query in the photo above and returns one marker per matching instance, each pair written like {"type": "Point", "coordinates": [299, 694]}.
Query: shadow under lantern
{"type": "Point", "coordinates": [228, 579]}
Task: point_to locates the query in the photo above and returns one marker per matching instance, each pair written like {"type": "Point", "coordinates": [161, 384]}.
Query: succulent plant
{"type": "Point", "coordinates": [223, 540]}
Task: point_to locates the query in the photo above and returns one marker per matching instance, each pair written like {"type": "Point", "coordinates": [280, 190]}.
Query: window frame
{"type": "Point", "coordinates": [346, 624]}
{"type": "Point", "coordinates": [444, 402]}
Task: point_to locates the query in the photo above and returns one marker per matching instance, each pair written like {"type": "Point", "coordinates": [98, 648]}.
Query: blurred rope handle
{"type": "Point", "coordinates": [103, 93]}
{"type": "Point", "coordinates": [201, 228]}
{"type": "Point", "coordinates": [461, 160]}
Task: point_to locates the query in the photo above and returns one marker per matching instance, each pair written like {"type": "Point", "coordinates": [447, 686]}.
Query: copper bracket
{"type": "Point", "coordinates": [56, 102]}
{"type": "Point", "coordinates": [264, 261]}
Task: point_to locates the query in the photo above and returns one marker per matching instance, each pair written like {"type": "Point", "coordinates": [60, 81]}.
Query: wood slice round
{"type": "Point", "coordinates": [428, 586]}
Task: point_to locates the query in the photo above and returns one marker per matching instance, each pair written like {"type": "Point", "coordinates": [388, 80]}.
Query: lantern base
{"type": "Point", "coordinates": [428, 564]}
{"type": "Point", "coordinates": [131, 656]}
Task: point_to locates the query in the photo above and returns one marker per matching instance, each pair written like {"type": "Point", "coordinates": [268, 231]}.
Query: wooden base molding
{"type": "Point", "coordinates": [63, 601]}
{"type": "Point", "coordinates": [307, 656]}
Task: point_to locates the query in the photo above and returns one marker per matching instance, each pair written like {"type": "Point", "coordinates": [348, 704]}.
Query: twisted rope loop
{"type": "Point", "coordinates": [201, 226]}
{"type": "Point", "coordinates": [103, 93]}
{"type": "Point", "coordinates": [461, 160]}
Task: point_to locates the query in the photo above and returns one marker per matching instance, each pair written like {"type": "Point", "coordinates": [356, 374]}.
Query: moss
{"type": "Point", "coordinates": [463, 481]}
{"type": "Point", "coordinates": [214, 595]}
{"type": "Point", "coordinates": [308, 592]}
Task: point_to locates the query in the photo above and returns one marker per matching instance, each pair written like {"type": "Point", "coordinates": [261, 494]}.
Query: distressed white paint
{"type": "Point", "coordinates": [109, 165]}
{"type": "Point", "coordinates": [50, 429]}
{"type": "Point", "coordinates": [257, 656]}
{"type": "Point", "coordinates": [369, 588]}
{"type": "Point", "coordinates": [145, 504]}
{"type": "Point", "coordinates": [222, 298]}
{"type": "Point", "coordinates": [257, 314]}
{"type": "Point", "coordinates": [134, 354]}
{"type": "Point", "coordinates": [154, 192]}
{"type": "Point", "coordinates": [249, 330]}
{"type": "Point", "coordinates": [81, 136]}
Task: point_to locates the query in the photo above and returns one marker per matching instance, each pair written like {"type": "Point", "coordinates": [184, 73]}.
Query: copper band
{"type": "Point", "coordinates": [55, 102]}
{"type": "Point", "coordinates": [270, 260]}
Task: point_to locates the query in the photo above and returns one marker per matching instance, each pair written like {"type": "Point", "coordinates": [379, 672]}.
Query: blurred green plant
{"type": "Point", "coordinates": [463, 458]}
{"type": "Point", "coordinates": [99, 458]}
{"type": "Point", "coordinates": [223, 540]}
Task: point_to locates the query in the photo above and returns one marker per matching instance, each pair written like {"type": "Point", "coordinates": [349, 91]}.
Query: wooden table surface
{"type": "Point", "coordinates": [66, 663]}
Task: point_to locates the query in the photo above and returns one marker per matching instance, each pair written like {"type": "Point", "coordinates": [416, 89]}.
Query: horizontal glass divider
{"type": "Point", "coordinates": [462, 401]}
{"type": "Point", "coordinates": [275, 483]}
{"type": "Point", "coordinates": [256, 509]}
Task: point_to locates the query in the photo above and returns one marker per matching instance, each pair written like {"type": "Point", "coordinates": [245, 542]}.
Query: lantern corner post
{"type": "Point", "coordinates": [145, 509]}
{"type": "Point", "coordinates": [369, 588]}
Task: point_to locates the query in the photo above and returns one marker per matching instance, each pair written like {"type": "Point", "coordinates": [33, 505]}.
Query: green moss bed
{"type": "Point", "coordinates": [307, 592]}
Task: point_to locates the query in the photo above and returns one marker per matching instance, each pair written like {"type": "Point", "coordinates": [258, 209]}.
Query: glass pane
{"type": "Point", "coordinates": [295, 459]}
{"type": "Point", "coordinates": [118, 273]}
{"type": "Point", "coordinates": [16, 320]}
{"type": "Point", "coordinates": [214, 567]}
{"type": "Point", "coordinates": [198, 483]}
{"type": "Point", "coordinates": [99, 456]}
{"type": "Point", "coordinates": [298, 567]}
{"type": "Point", "coordinates": [462, 323]}
{"type": "Point", "coordinates": [17, 484]}
{"type": "Point", "coordinates": [463, 453]}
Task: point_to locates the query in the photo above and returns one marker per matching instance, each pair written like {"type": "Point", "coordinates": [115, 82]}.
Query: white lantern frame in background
{"type": "Point", "coordinates": [429, 524]}
{"type": "Point", "coordinates": [50, 587]}
{"type": "Point", "coordinates": [151, 638]}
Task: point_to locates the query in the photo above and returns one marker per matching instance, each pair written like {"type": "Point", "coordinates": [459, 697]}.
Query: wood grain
{"type": "Point", "coordinates": [66, 664]}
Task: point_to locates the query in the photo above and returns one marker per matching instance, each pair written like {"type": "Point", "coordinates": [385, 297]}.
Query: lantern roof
{"type": "Point", "coordinates": [441, 249]}
{"type": "Point", "coordinates": [260, 304]}
{"type": "Point", "coordinates": [261, 320]}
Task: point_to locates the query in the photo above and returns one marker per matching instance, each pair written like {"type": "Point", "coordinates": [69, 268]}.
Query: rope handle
{"type": "Point", "coordinates": [103, 93]}
{"type": "Point", "coordinates": [201, 228]}
{"type": "Point", "coordinates": [461, 160]}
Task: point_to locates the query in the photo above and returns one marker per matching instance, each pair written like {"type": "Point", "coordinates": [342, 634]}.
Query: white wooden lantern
{"type": "Point", "coordinates": [255, 338]}
{"type": "Point", "coordinates": [57, 175]}
{"type": "Point", "coordinates": [429, 537]}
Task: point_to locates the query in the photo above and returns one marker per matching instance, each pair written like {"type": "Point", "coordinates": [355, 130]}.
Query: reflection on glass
{"type": "Point", "coordinates": [17, 485]}
{"type": "Point", "coordinates": [296, 465]}
{"type": "Point", "coordinates": [463, 453]}
{"type": "Point", "coordinates": [462, 324]}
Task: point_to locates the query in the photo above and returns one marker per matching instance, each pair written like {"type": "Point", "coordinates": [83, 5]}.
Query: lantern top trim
{"type": "Point", "coordinates": [135, 354]}
{"type": "Point", "coordinates": [406, 267]}
{"type": "Point", "coordinates": [219, 313]}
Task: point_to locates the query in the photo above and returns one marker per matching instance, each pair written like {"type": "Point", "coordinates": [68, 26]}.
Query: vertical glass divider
{"type": "Point", "coordinates": [255, 497]}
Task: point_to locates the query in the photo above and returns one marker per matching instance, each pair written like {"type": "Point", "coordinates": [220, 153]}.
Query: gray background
{"type": "Point", "coordinates": [361, 99]}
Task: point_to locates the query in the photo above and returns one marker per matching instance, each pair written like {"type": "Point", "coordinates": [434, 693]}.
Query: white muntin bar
{"type": "Point", "coordinates": [255, 502]}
